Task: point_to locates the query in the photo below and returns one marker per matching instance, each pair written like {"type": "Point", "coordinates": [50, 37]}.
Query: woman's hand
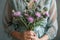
{"type": "Point", "coordinates": [45, 37]}
{"type": "Point", "coordinates": [30, 35]}
{"type": "Point", "coordinates": [27, 35]}
{"type": "Point", "coordinates": [16, 35]}
{"type": "Point", "coordinates": [35, 37]}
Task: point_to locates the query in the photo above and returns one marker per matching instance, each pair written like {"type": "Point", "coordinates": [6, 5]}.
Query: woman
{"type": "Point", "coordinates": [49, 32]}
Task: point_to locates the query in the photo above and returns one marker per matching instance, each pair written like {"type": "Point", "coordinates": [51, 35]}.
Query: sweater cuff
{"type": "Point", "coordinates": [51, 34]}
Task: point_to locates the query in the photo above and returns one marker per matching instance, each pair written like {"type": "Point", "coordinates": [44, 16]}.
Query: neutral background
{"type": "Point", "coordinates": [3, 36]}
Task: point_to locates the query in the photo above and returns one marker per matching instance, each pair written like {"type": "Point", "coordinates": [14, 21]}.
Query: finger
{"type": "Point", "coordinates": [33, 38]}
{"type": "Point", "coordinates": [27, 38]}
{"type": "Point", "coordinates": [29, 33]}
{"type": "Point", "coordinates": [32, 32]}
{"type": "Point", "coordinates": [35, 35]}
{"type": "Point", "coordinates": [30, 37]}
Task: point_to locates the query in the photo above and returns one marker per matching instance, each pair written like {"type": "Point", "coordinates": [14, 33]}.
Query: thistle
{"type": "Point", "coordinates": [29, 14]}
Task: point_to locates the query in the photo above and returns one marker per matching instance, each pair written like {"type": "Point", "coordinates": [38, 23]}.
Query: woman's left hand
{"type": "Point", "coordinates": [36, 38]}
{"type": "Point", "coordinates": [30, 35]}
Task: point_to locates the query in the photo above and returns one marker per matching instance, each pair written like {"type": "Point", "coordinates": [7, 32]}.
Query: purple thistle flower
{"type": "Point", "coordinates": [47, 14]}
{"type": "Point", "coordinates": [35, 0]}
{"type": "Point", "coordinates": [18, 13]}
{"type": "Point", "coordinates": [30, 19]}
{"type": "Point", "coordinates": [38, 14]}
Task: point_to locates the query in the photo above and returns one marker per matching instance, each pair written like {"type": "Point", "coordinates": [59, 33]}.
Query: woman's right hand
{"type": "Point", "coordinates": [17, 35]}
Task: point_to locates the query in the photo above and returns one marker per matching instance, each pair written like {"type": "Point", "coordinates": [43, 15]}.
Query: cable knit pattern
{"type": "Point", "coordinates": [50, 29]}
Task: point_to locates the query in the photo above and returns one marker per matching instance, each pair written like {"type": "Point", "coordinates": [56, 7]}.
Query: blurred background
{"type": "Point", "coordinates": [3, 36]}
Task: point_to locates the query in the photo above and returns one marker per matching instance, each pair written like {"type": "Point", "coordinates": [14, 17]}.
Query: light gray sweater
{"type": "Point", "coordinates": [51, 31]}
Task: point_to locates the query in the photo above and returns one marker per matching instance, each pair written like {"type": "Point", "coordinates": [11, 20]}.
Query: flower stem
{"type": "Point", "coordinates": [23, 22]}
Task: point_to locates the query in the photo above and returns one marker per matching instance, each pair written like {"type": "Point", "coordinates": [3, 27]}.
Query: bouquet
{"type": "Point", "coordinates": [32, 15]}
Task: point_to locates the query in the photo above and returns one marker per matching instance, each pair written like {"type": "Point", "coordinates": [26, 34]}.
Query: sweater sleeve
{"type": "Point", "coordinates": [52, 31]}
{"type": "Point", "coordinates": [7, 18]}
